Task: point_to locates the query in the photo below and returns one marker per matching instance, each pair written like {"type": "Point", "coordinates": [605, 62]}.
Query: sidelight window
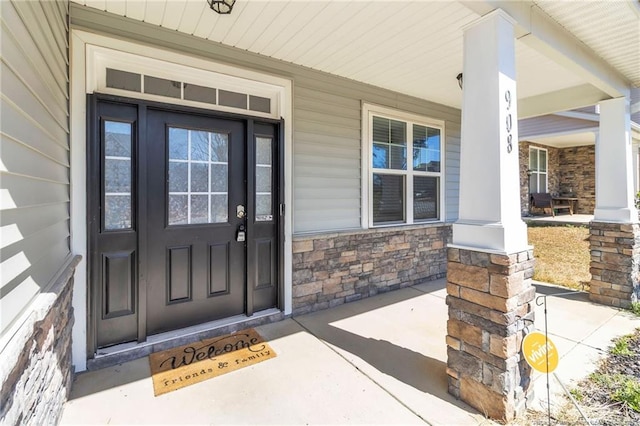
{"type": "Point", "coordinates": [117, 175]}
{"type": "Point", "coordinates": [264, 177]}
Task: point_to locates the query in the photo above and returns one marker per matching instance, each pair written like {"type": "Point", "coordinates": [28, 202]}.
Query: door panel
{"type": "Point", "coordinates": [196, 176]}
{"type": "Point", "coordinates": [118, 284]}
{"type": "Point", "coordinates": [219, 262]}
{"type": "Point", "coordinates": [263, 217]}
{"type": "Point", "coordinates": [179, 276]}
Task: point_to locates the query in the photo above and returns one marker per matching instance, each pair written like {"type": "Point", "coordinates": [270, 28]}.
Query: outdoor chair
{"type": "Point", "coordinates": [544, 200]}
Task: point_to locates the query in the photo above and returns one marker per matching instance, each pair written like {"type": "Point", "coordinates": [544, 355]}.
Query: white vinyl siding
{"type": "Point", "coordinates": [326, 123]}
{"type": "Point", "coordinates": [327, 149]}
{"type": "Point", "coordinates": [326, 165]}
{"type": "Point", "coordinates": [452, 171]}
{"type": "Point", "coordinates": [34, 167]}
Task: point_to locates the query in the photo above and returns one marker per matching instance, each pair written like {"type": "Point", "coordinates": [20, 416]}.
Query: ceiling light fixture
{"type": "Point", "coordinates": [223, 7]}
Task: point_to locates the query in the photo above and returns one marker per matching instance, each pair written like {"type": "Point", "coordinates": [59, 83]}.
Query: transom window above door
{"type": "Point", "coordinates": [121, 73]}
{"type": "Point", "coordinates": [404, 170]}
{"type": "Point", "coordinates": [138, 83]}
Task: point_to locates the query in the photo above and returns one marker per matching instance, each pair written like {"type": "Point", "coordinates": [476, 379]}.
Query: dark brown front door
{"type": "Point", "coordinates": [184, 218]}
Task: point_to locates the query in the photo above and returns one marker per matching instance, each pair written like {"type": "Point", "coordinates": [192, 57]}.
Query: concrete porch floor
{"type": "Point", "coordinates": [380, 360]}
{"type": "Point", "coordinates": [560, 219]}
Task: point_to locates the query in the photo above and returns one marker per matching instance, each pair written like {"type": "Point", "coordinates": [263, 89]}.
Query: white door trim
{"type": "Point", "coordinates": [81, 72]}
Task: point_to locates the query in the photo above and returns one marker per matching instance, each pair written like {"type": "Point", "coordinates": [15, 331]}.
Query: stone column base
{"type": "Point", "coordinates": [490, 311]}
{"type": "Point", "coordinates": [36, 373]}
{"type": "Point", "coordinates": [615, 263]}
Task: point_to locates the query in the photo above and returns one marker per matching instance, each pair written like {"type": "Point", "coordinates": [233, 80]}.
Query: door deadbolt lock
{"type": "Point", "coordinates": [241, 236]}
{"type": "Point", "coordinates": [240, 211]}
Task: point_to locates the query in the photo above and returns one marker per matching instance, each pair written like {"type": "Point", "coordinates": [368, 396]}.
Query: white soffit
{"type": "Point", "coordinates": [568, 140]}
{"type": "Point", "coordinates": [412, 47]}
{"type": "Point", "coordinates": [610, 28]}
{"type": "Point", "coordinates": [537, 74]}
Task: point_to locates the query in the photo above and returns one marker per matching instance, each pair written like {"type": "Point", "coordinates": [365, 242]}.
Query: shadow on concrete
{"type": "Point", "coordinates": [417, 370]}
{"type": "Point", "coordinates": [90, 382]}
{"type": "Point", "coordinates": [422, 372]}
{"type": "Point", "coordinates": [555, 291]}
{"type": "Point", "coordinates": [432, 286]}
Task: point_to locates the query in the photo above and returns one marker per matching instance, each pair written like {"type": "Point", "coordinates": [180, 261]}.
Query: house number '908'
{"type": "Point", "coordinates": [509, 123]}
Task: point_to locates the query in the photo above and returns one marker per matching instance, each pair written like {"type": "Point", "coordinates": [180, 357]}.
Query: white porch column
{"type": "Point", "coordinates": [614, 164]}
{"type": "Point", "coordinates": [489, 263]}
{"type": "Point", "coordinates": [614, 248]}
{"type": "Point", "coordinates": [634, 164]}
{"type": "Point", "coordinates": [489, 216]}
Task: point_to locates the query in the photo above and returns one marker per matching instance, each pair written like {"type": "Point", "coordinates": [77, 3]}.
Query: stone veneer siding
{"type": "Point", "coordinates": [578, 176]}
{"type": "Point", "coordinates": [570, 170]}
{"type": "Point", "coordinates": [331, 269]}
{"type": "Point", "coordinates": [36, 368]}
{"type": "Point", "coordinates": [490, 311]}
{"type": "Point", "coordinates": [615, 263]}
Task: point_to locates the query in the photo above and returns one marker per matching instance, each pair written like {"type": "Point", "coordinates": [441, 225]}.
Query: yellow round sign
{"type": "Point", "coordinates": [536, 352]}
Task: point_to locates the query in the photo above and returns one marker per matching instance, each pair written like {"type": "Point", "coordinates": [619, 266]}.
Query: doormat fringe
{"type": "Point", "coordinates": [189, 364]}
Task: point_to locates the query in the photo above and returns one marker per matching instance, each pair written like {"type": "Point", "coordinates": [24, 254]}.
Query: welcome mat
{"type": "Point", "coordinates": [186, 365]}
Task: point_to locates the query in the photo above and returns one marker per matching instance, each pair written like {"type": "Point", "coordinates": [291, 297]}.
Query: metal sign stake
{"type": "Point", "coordinates": [542, 300]}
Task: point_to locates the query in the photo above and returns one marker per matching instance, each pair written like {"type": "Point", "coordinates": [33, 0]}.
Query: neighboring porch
{"type": "Point", "coordinates": [567, 172]}
{"type": "Point", "coordinates": [560, 219]}
{"type": "Point", "coordinates": [379, 360]}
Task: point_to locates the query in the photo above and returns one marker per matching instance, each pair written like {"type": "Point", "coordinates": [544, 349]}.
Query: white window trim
{"type": "Point", "coordinates": [368, 110]}
{"type": "Point", "coordinates": [100, 58]}
{"type": "Point", "coordinates": [546, 173]}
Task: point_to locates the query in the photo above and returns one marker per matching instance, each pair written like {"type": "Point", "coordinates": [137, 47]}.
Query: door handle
{"type": "Point", "coordinates": [240, 212]}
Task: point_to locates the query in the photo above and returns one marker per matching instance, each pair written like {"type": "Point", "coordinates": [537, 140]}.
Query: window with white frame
{"type": "Point", "coordinates": [537, 170]}
{"type": "Point", "coordinates": [405, 167]}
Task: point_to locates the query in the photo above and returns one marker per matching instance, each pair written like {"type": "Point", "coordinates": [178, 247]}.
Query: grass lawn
{"type": "Point", "coordinates": [562, 255]}
{"type": "Point", "coordinates": [611, 395]}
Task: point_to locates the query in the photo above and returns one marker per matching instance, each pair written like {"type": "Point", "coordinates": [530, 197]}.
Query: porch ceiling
{"type": "Point", "coordinates": [412, 47]}
{"type": "Point", "coordinates": [566, 141]}
{"type": "Point", "coordinates": [610, 28]}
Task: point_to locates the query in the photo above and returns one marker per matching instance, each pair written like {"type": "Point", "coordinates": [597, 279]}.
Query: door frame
{"type": "Point", "coordinates": [139, 172]}
{"type": "Point", "coordinates": [82, 72]}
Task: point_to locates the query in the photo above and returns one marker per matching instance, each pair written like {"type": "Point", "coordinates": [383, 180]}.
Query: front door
{"type": "Point", "coordinates": [196, 219]}
{"type": "Point", "coordinates": [183, 218]}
